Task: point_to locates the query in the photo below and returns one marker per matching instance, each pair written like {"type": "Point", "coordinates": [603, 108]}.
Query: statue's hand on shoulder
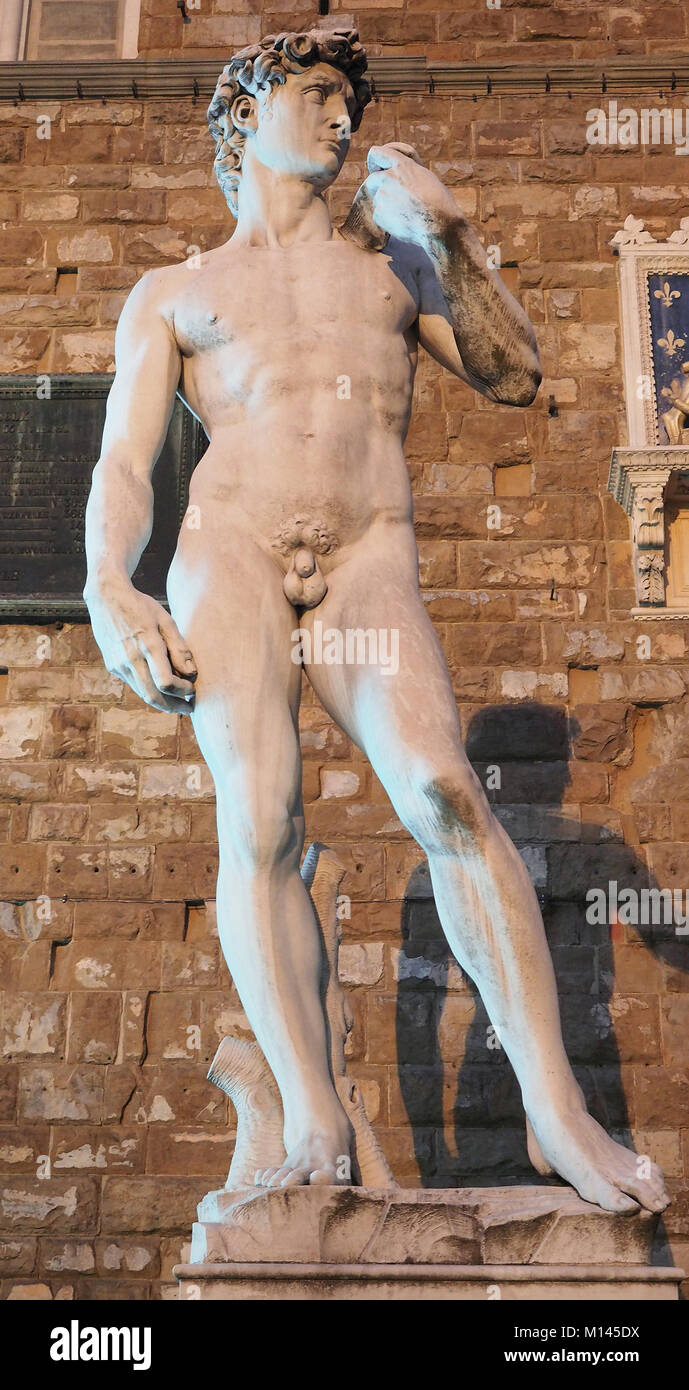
{"type": "Point", "coordinates": [142, 645]}
{"type": "Point", "coordinates": [408, 200]}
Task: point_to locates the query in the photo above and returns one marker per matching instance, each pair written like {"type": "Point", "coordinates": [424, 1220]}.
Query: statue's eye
{"type": "Point", "coordinates": [318, 93]}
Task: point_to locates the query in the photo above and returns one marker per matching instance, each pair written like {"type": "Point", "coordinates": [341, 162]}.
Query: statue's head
{"type": "Point", "coordinates": [296, 98]}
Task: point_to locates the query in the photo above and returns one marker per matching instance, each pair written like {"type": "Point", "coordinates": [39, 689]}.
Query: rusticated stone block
{"type": "Point", "coordinates": [70, 732]}
{"type": "Point", "coordinates": [34, 1025]}
{"type": "Point", "coordinates": [575, 869]}
{"type": "Point", "coordinates": [185, 966]}
{"type": "Point", "coordinates": [128, 1255]}
{"type": "Point", "coordinates": [163, 1094]}
{"type": "Point", "coordinates": [525, 565]}
{"type": "Point", "coordinates": [602, 733]}
{"type": "Point", "coordinates": [57, 1256]}
{"type": "Point", "coordinates": [183, 872]}
{"type": "Point", "coordinates": [675, 1024]}
{"type": "Point", "coordinates": [61, 1092]}
{"type": "Point", "coordinates": [140, 733]}
{"type": "Point", "coordinates": [94, 1290]}
{"type": "Point", "coordinates": [86, 781]}
{"type": "Point", "coordinates": [34, 1204]}
{"type": "Point", "coordinates": [96, 1149]}
{"type": "Point", "coordinates": [130, 871]}
{"type": "Point", "coordinates": [107, 965]}
{"type": "Point", "coordinates": [530, 731]}
{"type": "Point", "coordinates": [22, 870]}
{"type": "Point", "coordinates": [58, 822]}
{"type": "Point", "coordinates": [94, 1026]}
{"type": "Point", "coordinates": [127, 920]}
{"type": "Point", "coordinates": [30, 781]}
{"type": "Point", "coordinates": [149, 1205]}
{"type": "Point", "coordinates": [18, 1256]}
{"type": "Point", "coordinates": [21, 1147]}
{"type": "Point", "coordinates": [190, 1151]}
{"type": "Point", "coordinates": [80, 872]}
{"type": "Point", "coordinates": [8, 1091]}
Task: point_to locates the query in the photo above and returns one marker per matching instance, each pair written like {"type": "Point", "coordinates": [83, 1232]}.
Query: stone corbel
{"type": "Point", "coordinates": [638, 480]}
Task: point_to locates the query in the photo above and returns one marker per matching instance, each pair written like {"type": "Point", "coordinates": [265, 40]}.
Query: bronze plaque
{"type": "Point", "coordinates": [48, 449]}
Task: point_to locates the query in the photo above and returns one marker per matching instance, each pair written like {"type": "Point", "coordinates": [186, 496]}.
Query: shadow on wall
{"type": "Point", "coordinates": [459, 1090]}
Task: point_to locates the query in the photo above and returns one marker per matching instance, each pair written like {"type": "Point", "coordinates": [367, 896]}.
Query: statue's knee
{"type": "Point", "coordinates": [453, 809]}
{"type": "Point", "coordinates": [258, 839]}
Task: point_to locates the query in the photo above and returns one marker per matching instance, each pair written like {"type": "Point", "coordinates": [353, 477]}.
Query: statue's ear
{"type": "Point", "coordinates": [244, 113]}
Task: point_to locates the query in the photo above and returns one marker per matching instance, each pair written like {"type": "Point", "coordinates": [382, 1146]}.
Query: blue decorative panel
{"type": "Point", "coordinates": [668, 298]}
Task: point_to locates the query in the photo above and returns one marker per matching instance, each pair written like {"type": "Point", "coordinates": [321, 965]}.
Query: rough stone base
{"type": "Point", "coordinates": [519, 1243]}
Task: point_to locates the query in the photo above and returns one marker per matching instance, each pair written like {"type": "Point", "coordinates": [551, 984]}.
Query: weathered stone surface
{"type": "Point", "coordinates": [61, 1093]}
{"type": "Point", "coordinates": [94, 1026]}
{"type": "Point", "coordinates": [34, 1025]}
{"type": "Point", "coordinates": [602, 733]}
{"type": "Point", "coordinates": [146, 1204]}
{"type": "Point", "coordinates": [93, 1148]}
{"type": "Point", "coordinates": [32, 1204]}
{"type": "Point", "coordinates": [21, 1148]}
{"type": "Point", "coordinates": [17, 1256]}
{"type": "Point", "coordinates": [130, 1255]}
{"type": "Point", "coordinates": [535, 1225]}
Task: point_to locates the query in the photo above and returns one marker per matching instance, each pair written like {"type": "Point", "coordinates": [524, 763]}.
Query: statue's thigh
{"type": "Point", "coordinates": [230, 607]}
{"type": "Point", "coordinates": [403, 704]}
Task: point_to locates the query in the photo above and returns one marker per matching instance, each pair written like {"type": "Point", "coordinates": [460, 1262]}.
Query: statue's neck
{"type": "Point", "coordinates": [279, 209]}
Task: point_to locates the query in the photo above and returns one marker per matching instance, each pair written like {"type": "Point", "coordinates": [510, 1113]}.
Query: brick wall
{"type": "Point", "coordinates": [100, 816]}
{"type": "Point", "coordinates": [455, 30]}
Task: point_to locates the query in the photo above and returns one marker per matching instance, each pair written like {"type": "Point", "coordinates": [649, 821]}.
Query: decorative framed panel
{"type": "Point", "coordinates": [654, 289]}
{"type": "Point", "coordinates": [48, 448]}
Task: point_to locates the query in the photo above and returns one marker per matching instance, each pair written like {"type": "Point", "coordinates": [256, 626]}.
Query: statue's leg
{"type": "Point", "coordinates": [226, 597]}
{"type": "Point", "coordinates": [407, 724]}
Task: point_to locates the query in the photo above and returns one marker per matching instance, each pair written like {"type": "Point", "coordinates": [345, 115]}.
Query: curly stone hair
{"type": "Point", "coordinates": [265, 64]}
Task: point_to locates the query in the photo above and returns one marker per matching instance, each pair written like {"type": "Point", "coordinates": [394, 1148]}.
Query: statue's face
{"type": "Point", "coordinates": [304, 124]}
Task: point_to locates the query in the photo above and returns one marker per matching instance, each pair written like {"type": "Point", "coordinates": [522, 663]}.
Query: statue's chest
{"type": "Point", "coordinates": [292, 297]}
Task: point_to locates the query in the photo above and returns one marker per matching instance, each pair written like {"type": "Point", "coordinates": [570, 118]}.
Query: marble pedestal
{"type": "Point", "coordinates": [520, 1243]}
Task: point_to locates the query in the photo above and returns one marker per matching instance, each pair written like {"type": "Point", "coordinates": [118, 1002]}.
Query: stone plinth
{"type": "Point", "coordinates": [461, 1243]}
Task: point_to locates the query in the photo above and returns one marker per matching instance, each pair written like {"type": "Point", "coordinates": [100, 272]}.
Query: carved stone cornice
{"type": "Point", "coordinates": [652, 464]}
{"type": "Point", "coordinates": [634, 236]}
{"type": "Point", "coordinates": [637, 480]}
{"type": "Point", "coordinates": [151, 79]}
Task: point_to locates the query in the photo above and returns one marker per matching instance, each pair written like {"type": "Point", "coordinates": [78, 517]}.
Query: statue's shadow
{"type": "Point", "coordinates": [457, 1086]}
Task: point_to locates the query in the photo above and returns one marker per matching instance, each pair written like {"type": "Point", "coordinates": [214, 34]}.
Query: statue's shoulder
{"type": "Point", "coordinates": [407, 261]}
{"type": "Point", "coordinates": [159, 289]}
{"type": "Point", "coordinates": [158, 282]}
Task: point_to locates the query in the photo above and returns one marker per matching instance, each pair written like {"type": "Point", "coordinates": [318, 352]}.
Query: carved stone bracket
{"type": "Point", "coordinates": [638, 479]}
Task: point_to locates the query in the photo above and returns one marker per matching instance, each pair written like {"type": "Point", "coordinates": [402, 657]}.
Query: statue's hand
{"type": "Point", "coordinates": [142, 645]}
{"type": "Point", "coordinates": [409, 201]}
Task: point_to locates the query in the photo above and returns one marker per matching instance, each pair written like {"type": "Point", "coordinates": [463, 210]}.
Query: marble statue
{"type": "Point", "coordinates": [675, 419]}
{"type": "Point", "coordinates": [295, 343]}
{"type": "Point", "coordinates": [241, 1071]}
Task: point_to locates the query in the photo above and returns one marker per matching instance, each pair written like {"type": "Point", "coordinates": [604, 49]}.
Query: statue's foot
{"type": "Point", "coordinates": [575, 1146]}
{"type": "Point", "coordinates": [318, 1158]}
{"type": "Point", "coordinates": [534, 1152]}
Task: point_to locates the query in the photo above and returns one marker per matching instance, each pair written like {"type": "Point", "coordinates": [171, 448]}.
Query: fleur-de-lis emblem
{"type": "Point", "coordinates": [671, 344]}
{"type": "Point", "coordinates": [667, 295]}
